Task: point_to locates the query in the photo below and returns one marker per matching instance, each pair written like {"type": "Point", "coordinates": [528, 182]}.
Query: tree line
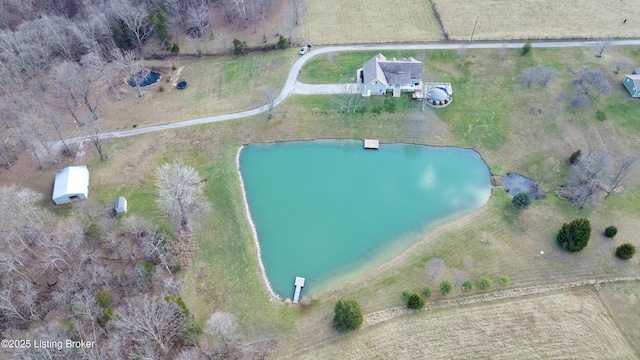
{"type": "Point", "coordinates": [62, 61]}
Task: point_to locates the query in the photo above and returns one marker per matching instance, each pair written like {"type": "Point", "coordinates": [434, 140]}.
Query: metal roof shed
{"type": "Point", "coordinates": [71, 183]}
{"type": "Point", "coordinates": [120, 205]}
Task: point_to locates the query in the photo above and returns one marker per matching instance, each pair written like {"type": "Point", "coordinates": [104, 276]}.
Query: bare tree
{"type": "Point", "coordinates": [540, 75]}
{"type": "Point", "coordinates": [93, 132]}
{"type": "Point", "coordinates": [94, 62]}
{"type": "Point", "coordinates": [626, 165]}
{"type": "Point", "coordinates": [269, 96]}
{"type": "Point", "coordinates": [589, 84]}
{"type": "Point", "coordinates": [148, 320]}
{"type": "Point", "coordinates": [133, 67]}
{"type": "Point", "coordinates": [297, 8]}
{"type": "Point", "coordinates": [602, 45]}
{"type": "Point", "coordinates": [349, 99]}
{"type": "Point", "coordinates": [620, 64]}
{"type": "Point", "coordinates": [223, 326]}
{"type": "Point", "coordinates": [135, 17]}
{"type": "Point", "coordinates": [199, 18]}
{"type": "Point", "coordinates": [179, 190]}
{"type": "Point", "coordinates": [242, 11]}
{"type": "Point", "coordinates": [587, 177]}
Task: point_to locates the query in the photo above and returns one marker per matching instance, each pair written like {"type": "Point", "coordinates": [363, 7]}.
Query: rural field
{"type": "Point", "coordinates": [528, 130]}
{"type": "Point", "coordinates": [569, 324]}
{"type": "Point", "coordinates": [415, 20]}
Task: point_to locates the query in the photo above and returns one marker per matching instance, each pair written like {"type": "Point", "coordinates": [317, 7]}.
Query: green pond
{"type": "Point", "coordinates": [326, 210]}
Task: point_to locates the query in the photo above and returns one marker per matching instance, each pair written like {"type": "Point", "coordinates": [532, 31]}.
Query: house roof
{"type": "Point", "coordinates": [392, 72]}
{"type": "Point", "coordinates": [70, 181]}
{"type": "Point", "coordinates": [635, 78]}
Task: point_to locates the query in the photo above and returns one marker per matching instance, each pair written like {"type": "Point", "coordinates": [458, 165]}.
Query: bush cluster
{"type": "Point", "coordinates": [625, 251]}
{"type": "Point", "coordinates": [348, 315]}
{"type": "Point", "coordinates": [415, 302]}
{"type": "Point", "coordinates": [521, 201]}
{"type": "Point", "coordinates": [575, 235]}
{"type": "Point", "coordinates": [611, 231]}
{"type": "Point", "coordinates": [446, 287]}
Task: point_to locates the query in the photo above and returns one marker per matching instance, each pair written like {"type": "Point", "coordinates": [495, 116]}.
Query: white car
{"type": "Point", "coordinates": [303, 50]}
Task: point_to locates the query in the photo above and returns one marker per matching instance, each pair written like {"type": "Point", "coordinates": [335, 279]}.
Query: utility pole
{"type": "Point", "coordinates": [309, 30]}
{"type": "Point", "coordinates": [474, 30]}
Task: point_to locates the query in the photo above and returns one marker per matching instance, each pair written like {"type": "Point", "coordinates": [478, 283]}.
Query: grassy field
{"type": "Point", "coordinates": [565, 325]}
{"type": "Point", "coordinates": [373, 21]}
{"type": "Point", "coordinates": [217, 85]}
{"type": "Point", "coordinates": [531, 131]}
{"type": "Point", "coordinates": [339, 22]}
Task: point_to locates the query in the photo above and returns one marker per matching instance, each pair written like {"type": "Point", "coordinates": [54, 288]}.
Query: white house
{"type": "Point", "coordinates": [71, 183]}
{"type": "Point", "coordinates": [380, 75]}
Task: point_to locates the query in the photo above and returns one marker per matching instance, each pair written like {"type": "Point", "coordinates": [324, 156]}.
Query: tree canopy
{"type": "Point", "coordinates": [348, 315]}
{"type": "Point", "coordinates": [575, 235]}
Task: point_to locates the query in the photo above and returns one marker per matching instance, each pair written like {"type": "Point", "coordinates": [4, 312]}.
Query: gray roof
{"type": "Point", "coordinates": [392, 72]}
{"type": "Point", "coordinates": [438, 94]}
{"type": "Point", "coordinates": [70, 181]}
{"type": "Point", "coordinates": [635, 79]}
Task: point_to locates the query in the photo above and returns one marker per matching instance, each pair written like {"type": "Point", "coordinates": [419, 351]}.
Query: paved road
{"type": "Point", "coordinates": [292, 86]}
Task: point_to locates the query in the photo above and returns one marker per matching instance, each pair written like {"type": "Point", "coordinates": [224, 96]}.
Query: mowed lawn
{"type": "Point", "coordinates": [344, 22]}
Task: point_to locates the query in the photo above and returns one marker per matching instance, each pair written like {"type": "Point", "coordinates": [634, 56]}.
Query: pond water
{"type": "Point", "coordinates": [327, 209]}
{"type": "Point", "coordinates": [151, 78]}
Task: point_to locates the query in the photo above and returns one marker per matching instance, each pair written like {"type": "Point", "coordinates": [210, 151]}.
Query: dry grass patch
{"type": "Point", "coordinates": [360, 21]}
{"type": "Point", "coordinates": [623, 300]}
{"type": "Point", "coordinates": [538, 19]}
{"type": "Point", "coordinates": [569, 324]}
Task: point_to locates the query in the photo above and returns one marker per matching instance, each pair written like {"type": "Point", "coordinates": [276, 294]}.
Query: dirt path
{"type": "Point", "coordinates": [385, 315]}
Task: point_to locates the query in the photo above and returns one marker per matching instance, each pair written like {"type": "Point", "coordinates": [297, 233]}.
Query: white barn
{"type": "Point", "coordinates": [71, 183]}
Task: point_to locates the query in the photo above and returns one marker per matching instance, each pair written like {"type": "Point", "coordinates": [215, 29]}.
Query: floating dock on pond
{"type": "Point", "coordinates": [371, 144]}
{"type": "Point", "coordinates": [299, 284]}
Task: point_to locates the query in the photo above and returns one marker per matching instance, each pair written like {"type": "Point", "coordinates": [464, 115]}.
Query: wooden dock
{"type": "Point", "coordinates": [371, 144]}
{"type": "Point", "coordinates": [299, 284]}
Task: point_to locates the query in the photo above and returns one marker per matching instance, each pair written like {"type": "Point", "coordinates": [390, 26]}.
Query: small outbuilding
{"type": "Point", "coordinates": [632, 83]}
{"type": "Point", "coordinates": [120, 206]}
{"type": "Point", "coordinates": [71, 183]}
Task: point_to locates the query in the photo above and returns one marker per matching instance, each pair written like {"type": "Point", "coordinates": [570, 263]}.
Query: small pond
{"type": "Point", "coordinates": [326, 210]}
{"type": "Point", "coordinates": [151, 79]}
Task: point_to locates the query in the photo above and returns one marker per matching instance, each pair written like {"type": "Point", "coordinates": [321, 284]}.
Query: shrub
{"type": "Point", "coordinates": [575, 157]}
{"type": "Point", "coordinates": [625, 251]}
{"type": "Point", "coordinates": [95, 234]}
{"type": "Point", "coordinates": [426, 291]}
{"type": "Point", "coordinates": [521, 201]}
{"type": "Point", "coordinates": [415, 302]}
{"type": "Point", "coordinates": [347, 315]}
{"type": "Point", "coordinates": [107, 314]}
{"type": "Point", "coordinates": [161, 88]}
{"type": "Point", "coordinates": [104, 299]}
{"type": "Point", "coordinates": [504, 280]}
{"type": "Point", "coordinates": [526, 49]}
{"type": "Point", "coordinates": [611, 231]}
{"type": "Point", "coordinates": [175, 49]}
{"type": "Point", "coordinates": [575, 235]}
{"type": "Point", "coordinates": [446, 287]}
{"type": "Point", "coordinates": [306, 302]}
{"type": "Point", "coordinates": [467, 285]}
{"type": "Point", "coordinates": [406, 294]}
{"type": "Point", "coordinates": [601, 116]}
{"type": "Point", "coordinates": [484, 283]}
{"type": "Point", "coordinates": [239, 47]}
{"type": "Point", "coordinates": [283, 43]}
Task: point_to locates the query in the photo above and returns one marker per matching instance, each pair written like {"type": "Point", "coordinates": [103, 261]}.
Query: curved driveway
{"type": "Point", "coordinates": [291, 82]}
